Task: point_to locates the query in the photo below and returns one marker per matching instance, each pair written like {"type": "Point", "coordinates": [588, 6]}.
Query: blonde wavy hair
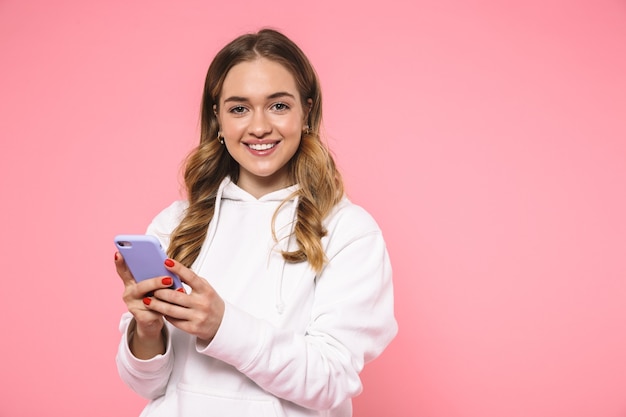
{"type": "Point", "coordinates": [312, 167]}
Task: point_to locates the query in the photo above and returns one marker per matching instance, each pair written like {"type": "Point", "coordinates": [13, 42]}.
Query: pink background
{"type": "Point", "coordinates": [488, 139]}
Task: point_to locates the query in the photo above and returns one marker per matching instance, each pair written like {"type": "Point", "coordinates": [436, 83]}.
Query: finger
{"type": "Point", "coordinates": [149, 321]}
{"type": "Point", "coordinates": [150, 286]}
{"type": "Point", "coordinates": [166, 308]}
{"type": "Point", "coordinates": [187, 276]}
{"type": "Point", "coordinates": [122, 269]}
{"type": "Point", "coordinates": [178, 297]}
{"type": "Point", "coordinates": [201, 320]}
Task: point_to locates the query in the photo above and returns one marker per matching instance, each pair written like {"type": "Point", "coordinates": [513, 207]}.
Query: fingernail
{"type": "Point", "coordinates": [167, 281]}
{"type": "Point", "coordinates": [147, 301]}
{"type": "Point", "coordinates": [116, 256]}
{"type": "Point", "coordinates": [181, 289]}
{"type": "Point", "coordinates": [169, 262]}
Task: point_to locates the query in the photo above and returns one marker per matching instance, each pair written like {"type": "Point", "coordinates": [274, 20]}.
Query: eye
{"type": "Point", "coordinates": [280, 107]}
{"type": "Point", "coordinates": [237, 110]}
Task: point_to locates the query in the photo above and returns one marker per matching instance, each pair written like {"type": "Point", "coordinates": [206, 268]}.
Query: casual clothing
{"type": "Point", "coordinates": [291, 342]}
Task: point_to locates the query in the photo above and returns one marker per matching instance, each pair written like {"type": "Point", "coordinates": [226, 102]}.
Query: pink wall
{"type": "Point", "coordinates": [488, 139]}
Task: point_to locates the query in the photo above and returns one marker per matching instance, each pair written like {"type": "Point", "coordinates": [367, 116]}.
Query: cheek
{"type": "Point", "coordinates": [232, 127]}
{"type": "Point", "coordinates": [291, 127]}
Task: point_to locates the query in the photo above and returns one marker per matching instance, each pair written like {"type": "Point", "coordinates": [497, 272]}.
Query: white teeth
{"type": "Point", "coordinates": [261, 146]}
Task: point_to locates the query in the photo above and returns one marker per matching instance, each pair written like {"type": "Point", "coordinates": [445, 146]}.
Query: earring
{"type": "Point", "coordinates": [220, 138]}
{"type": "Point", "coordinates": [306, 130]}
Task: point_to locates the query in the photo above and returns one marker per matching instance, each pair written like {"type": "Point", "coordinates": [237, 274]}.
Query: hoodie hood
{"type": "Point", "coordinates": [228, 190]}
{"type": "Point", "coordinates": [284, 226]}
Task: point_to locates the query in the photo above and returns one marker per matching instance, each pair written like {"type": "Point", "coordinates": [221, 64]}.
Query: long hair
{"type": "Point", "coordinates": [312, 166]}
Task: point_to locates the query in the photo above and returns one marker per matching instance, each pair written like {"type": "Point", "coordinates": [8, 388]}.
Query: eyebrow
{"type": "Point", "coordinates": [271, 96]}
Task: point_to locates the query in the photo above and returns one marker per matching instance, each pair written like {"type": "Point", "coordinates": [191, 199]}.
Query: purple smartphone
{"type": "Point", "coordinates": [144, 256]}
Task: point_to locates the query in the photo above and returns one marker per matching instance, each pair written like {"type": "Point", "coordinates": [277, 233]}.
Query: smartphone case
{"type": "Point", "coordinates": [145, 256]}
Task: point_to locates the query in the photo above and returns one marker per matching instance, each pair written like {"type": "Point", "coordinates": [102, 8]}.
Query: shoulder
{"type": "Point", "coordinates": [354, 241]}
{"type": "Point", "coordinates": [167, 220]}
{"type": "Point", "coordinates": [350, 221]}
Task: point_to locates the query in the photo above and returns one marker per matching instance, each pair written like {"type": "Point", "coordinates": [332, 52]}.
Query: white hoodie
{"type": "Point", "coordinates": [292, 342]}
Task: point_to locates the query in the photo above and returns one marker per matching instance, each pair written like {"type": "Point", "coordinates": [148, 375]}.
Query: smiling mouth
{"type": "Point", "coordinates": [261, 146]}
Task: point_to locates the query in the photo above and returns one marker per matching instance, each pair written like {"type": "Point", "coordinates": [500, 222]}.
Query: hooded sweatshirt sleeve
{"type": "Point", "coordinates": [149, 378]}
{"type": "Point", "coordinates": [352, 321]}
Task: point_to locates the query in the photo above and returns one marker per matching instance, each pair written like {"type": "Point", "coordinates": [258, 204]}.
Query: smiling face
{"type": "Point", "coordinates": [261, 118]}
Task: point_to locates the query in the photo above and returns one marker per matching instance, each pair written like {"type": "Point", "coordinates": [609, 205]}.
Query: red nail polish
{"type": "Point", "coordinates": [169, 262]}
{"type": "Point", "coordinates": [147, 301]}
{"type": "Point", "coordinates": [116, 256]}
{"type": "Point", "coordinates": [181, 289]}
{"type": "Point", "coordinates": [167, 281]}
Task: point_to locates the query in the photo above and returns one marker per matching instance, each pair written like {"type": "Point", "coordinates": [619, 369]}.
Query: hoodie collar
{"type": "Point", "coordinates": [231, 191]}
{"type": "Point", "coordinates": [228, 190]}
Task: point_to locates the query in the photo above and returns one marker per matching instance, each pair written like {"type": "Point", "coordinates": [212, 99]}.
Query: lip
{"type": "Point", "coordinates": [262, 143]}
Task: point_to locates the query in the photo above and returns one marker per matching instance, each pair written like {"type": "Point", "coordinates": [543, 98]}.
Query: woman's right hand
{"type": "Point", "coordinates": [146, 339]}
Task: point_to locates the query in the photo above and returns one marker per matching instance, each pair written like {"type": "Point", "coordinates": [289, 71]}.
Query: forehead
{"type": "Point", "coordinates": [258, 78]}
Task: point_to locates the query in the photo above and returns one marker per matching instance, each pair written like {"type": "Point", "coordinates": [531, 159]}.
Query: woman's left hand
{"type": "Point", "coordinates": [198, 313]}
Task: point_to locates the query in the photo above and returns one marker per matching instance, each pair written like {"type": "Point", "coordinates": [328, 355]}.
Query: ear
{"type": "Point", "coordinates": [307, 110]}
{"type": "Point", "coordinates": [217, 116]}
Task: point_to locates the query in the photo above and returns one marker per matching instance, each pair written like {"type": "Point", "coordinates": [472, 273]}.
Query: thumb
{"type": "Point", "coordinates": [122, 269]}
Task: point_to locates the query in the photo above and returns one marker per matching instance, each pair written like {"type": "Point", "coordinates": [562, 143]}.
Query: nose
{"type": "Point", "coordinates": [260, 124]}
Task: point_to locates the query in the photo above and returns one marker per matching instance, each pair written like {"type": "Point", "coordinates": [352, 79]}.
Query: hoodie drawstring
{"type": "Point", "coordinates": [280, 304]}
{"type": "Point", "coordinates": [212, 226]}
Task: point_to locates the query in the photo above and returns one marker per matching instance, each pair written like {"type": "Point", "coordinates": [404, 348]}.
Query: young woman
{"type": "Point", "coordinates": [288, 288]}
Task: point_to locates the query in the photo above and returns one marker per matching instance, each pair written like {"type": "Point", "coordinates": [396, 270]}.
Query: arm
{"type": "Point", "coordinates": [351, 323]}
{"type": "Point", "coordinates": [147, 377]}
{"type": "Point", "coordinates": [145, 358]}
